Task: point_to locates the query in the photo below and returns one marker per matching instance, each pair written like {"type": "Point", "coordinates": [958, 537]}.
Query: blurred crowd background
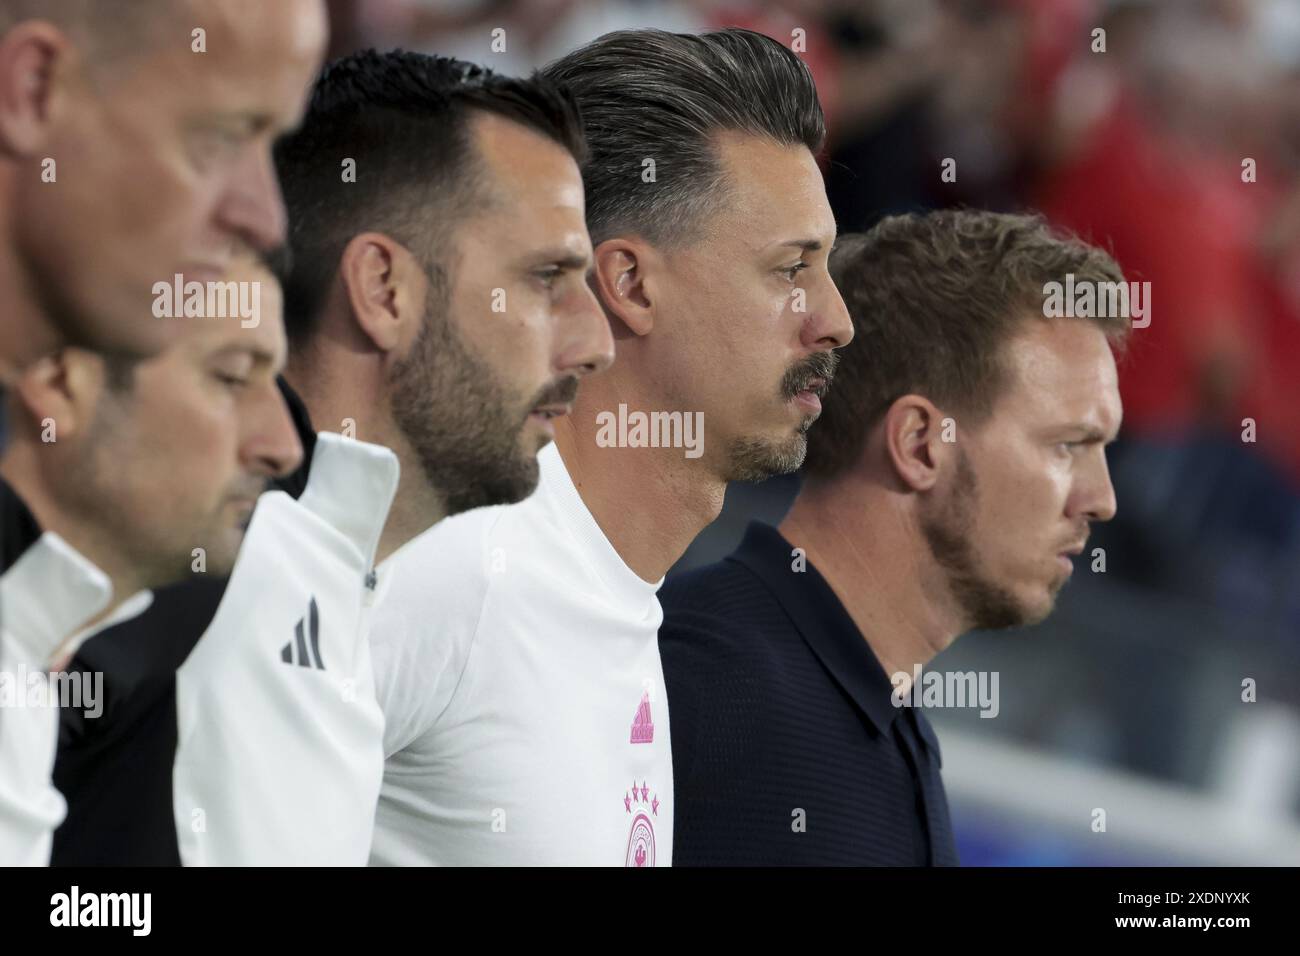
{"type": "Point", "coordinates": [1129, 700]}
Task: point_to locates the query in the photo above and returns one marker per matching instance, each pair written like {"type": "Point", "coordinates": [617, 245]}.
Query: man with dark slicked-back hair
{"type": "Point", "coordinates": [953, 476]}
{"type": "Point", "coordinates": [418, 188]}
{"type": "Point", "coordinates": [439, 301]}
{"type": "Point", "coordinates": [526, 721]}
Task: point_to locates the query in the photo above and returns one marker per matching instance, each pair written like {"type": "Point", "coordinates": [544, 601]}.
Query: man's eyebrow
{"type": "Point", "coordinates": [261, 356]}
{"type": "Point", "coordinates": [1091, 434]}
{"type": "Point", "coordinates": [564, 258]}
{"type": "Point", "coordinates": [248, 121]}
{"type": "Point", "coordinates": [807, 245]}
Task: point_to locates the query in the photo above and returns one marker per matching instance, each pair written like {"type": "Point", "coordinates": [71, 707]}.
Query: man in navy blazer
{"type": "Point", "coordinates": [953, 475]}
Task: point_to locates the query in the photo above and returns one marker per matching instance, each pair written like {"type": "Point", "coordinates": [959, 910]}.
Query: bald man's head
{"type": "Point", "coordinates": [103, 32]}
{"type": "Point", "coordinates": [135, 145]}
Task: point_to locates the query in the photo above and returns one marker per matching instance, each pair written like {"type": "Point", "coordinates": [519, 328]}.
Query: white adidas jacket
{"type": "Point", "coordinates": [280, 738]}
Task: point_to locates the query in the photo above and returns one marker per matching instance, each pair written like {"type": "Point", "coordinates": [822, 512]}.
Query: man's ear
{"type": "Point", "coordinates": [914, 443]}
{"type": "Point", "coordinates": [622, 265]}
{"type": "Point", "coordinates": [386, 288]}
{"type": "Point", "coordinates": [63, 387]}
{"type": "Point", "coordinates": [32, 57]}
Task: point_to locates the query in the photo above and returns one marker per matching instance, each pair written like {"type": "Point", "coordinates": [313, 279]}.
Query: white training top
{"type": "Point", "coordinates": [526, 722]}
{"type": "Point", "coordinates": [279, 736]}
{"type": "Point", "coordinates": [50, 592]}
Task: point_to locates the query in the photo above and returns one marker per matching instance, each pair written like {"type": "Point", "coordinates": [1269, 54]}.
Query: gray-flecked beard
{"type": "Point", "coordinates": [756, 459]}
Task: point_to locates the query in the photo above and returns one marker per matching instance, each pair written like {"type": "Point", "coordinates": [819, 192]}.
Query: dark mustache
{"type": "Point", "coordinates": [818, 365]}
{"type": "Point", "coordinates": [563, 391]}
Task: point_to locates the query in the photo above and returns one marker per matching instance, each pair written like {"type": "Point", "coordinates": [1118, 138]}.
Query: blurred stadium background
{"type": "Point", "coordinates": [1129, 698]}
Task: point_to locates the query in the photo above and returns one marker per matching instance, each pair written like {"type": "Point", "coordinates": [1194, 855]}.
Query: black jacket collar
{"type": "Point", "coordinates": [296, 482]}
{"type": "Point", "coordinates": [825, 626]}
{"type": "Point", "coordinates": [18, 527]}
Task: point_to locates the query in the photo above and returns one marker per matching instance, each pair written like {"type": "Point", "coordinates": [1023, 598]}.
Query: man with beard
{"type": "Point", "coordinates": [126, 157]}
{"type": "Point", "coordinates": [956, 470]}
{"type": "Point", "coordinates": [516, 657]}
{"type": "Point", "coordinates": [140, 466]}
{"type": "Point", "coordinates": [171, 477]}
{"type": "Point", "coordinates": [437, 306]}
{"type": "Point", "coordinates": [136, 463]}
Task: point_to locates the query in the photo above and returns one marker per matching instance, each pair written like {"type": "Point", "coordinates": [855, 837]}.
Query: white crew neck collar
{"type": "Point", "coordinates": [576, 518]}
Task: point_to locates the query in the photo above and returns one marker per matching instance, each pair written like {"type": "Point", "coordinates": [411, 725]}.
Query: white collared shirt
{"type": "Point", "coordinates": [46, 598]}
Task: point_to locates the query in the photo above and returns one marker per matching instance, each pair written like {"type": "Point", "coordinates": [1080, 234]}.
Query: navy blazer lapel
{"type": "Point", "coordinates": [821, 620]}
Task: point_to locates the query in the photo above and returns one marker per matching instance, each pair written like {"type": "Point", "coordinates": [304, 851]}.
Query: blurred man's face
{"type": "Point", "coordinates": [164, 166]}
{"type": "Point", "coordinates": [175, 459]}
{"type": "Point", "coordinates": [1029, 481]}
{"type": "Point", "coordinates": [504, 347]}
{"type": "Point", "coordinates": [746, 319]}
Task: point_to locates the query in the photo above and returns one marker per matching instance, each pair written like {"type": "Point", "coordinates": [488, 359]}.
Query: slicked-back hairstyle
{"type": "Point", "coordinates": [934, 300]}
{"type": "Point", "coordinates": [653, 95]}
{"type": "Point", "coordinates": [404, 119]}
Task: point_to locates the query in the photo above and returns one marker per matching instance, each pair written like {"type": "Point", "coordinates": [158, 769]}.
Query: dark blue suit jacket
{"type": "Point", "coordinates": [787, 749]}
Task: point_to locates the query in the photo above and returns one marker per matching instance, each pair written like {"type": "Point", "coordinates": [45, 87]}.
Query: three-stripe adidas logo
{"type": "Point", "coordinates": [296, 651]}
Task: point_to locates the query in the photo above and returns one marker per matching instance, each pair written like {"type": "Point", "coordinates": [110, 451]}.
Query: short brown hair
{"type": "Point", "coordinates": [934, 300]}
